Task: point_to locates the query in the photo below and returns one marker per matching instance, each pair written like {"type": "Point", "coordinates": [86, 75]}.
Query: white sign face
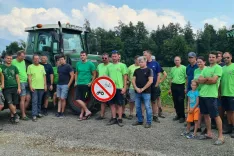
{"type": "Point", "coordinates": [103, 89]}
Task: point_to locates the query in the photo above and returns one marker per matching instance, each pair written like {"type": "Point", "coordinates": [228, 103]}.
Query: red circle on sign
{"type": "Point", "coordinates": [103, 88]}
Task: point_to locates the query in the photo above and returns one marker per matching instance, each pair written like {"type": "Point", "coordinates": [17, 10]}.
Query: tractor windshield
{"type": "Point", "coordinates": [72, 43]}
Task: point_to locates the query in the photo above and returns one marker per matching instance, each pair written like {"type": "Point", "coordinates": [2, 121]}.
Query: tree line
{"type": "Point", "coordinates": [165, 42]}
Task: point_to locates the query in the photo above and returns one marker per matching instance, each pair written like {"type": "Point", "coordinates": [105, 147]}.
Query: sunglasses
{"type": "Point", "coordinates": [104, 58]}
{"type": "Point", "coordinates": [226, 58]}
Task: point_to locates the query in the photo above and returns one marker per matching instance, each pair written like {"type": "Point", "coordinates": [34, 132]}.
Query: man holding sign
{"type": "Point", "coordinates": [118, 73]}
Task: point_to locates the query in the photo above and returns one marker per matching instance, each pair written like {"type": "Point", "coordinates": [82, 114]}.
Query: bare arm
{"type": "Point", "coordinates": [150, 81]}
{"type": "Point", "coordinates": [134, 82]}
{"type": "Point", "coordinates": [212, 80]}
{"type": "Point", "coordinates": [94, 75]}
{"type": "Point", "coordinates": [52, 79]}
{"type": "Point", "coordinates": [202, 80]}
{"type": "Point", "coordinates": [2, 80]}
{"type": "Point", "coordinates": [45, 84]}
{"type": "Point", "coordinates": [158, 80]}
{"type": "Point", "coordinates": [197, 103]}
{"type": "Point", "coordinates": [164, 76]}
{"type": "Point", "coordinates": [30, 82]}
{"type": "Point", "coordinates": [125, 77]}
{"type": "Point", "coordinates": [76, 77]}
{"type": "Point", "coordinates": [71, 79]}
{"type": "Point", "coordinates": [188, 104]}
{"type": "Point", "coordinates": [18, 83]}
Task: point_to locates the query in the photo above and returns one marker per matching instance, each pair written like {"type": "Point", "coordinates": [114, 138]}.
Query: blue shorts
{"type": "Point", "coordinates": [62, 91]}
{"type": "Point", "coordinates": [24, 89]}
{"type": "Point", "coordinates": [132, 95]}
{"type": "Point", "coordinates": [228, 103]}
{"type": "Point", "coordinates": [208, 105]}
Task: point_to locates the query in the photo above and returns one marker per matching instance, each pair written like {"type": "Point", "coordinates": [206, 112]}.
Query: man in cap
{"type": "Point", "coordinates": [192, 58]}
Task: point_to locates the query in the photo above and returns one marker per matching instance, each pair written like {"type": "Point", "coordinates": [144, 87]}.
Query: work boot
{"type": "Point", "coordinates": [112, 121]}
{"type": "Point", "coordinates": [182, 120]}
{"type": "Point", "coordinates": [232, 134]}
{"type": "Point", "coordinates": [155, 119]}
{"type": "Point", "coordinates": [137, 123]}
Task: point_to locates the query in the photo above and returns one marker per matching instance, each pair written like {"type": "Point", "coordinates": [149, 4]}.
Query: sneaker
{"type": "Point", "coordinates": [34, 119]}
{"type": "Point", "coordinates": [155, 119]}
{"type": "Point", "coordinates": [57, 115]}
{"type": "Point", "coordinates": [45, 112]}
{"type": "Point", "coordinates": [100, 118]}
{"type": "Point", "coordinates": [191, 136]}
{"type": "Point", "coordinates": [39, 115]}
{"type": "Point", "coordinates": [124, 116]}
{"type": "Point", "coordinates": [16, 118]}
{"type": "Point", "coordinates": [232, 134]}
{"type": "Point", "coordinates": [130, 117]}
{"type": "Point", "coordinates": [161, 115]}
{"type": "Point", "coordinates": [184, 134]}
{"type": "Point", "coordinates": [147, 125]}
{"type": "Point", "coordinates": [112, 121]}
{"type": "Point", "coordinates": [137, 123]}
{"type": "Point", "coordinates": [176, 118]}
{"type": "Point", "coordinates": [61, 116]}
{"type": "Point", "coordinates": [12, 120]}
{"type": "Point", "coordinates": [182, 120]}
{"type": "Point", "coordinates": [120, 122]}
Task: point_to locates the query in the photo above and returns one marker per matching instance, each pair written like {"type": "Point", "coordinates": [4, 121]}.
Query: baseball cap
{"type": "Point", "coordinates": [114, 51]}
{"type": "Point", "coordinates": [153, 57]}
{"type": "Point", "coordinates": [192, 54]}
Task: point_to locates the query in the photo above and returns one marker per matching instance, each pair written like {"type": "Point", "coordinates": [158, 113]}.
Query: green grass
{"type": "Point", "coordinates": [165, 86]}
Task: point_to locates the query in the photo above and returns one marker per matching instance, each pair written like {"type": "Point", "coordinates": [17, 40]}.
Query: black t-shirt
{"type": "Point", "coordinates": [142, 77]}
{"type": "Point", "coordinates": [64, 74]}
{"type": "Point", "coordinates": [49, 71]}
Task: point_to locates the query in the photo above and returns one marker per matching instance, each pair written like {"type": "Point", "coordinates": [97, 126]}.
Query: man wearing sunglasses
{"type": "Point", "coordinates": [101, 71]}
{"type": "Point", "coordinates": [227, 91]}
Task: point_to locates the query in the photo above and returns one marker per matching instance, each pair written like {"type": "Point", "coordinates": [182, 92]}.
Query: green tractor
{"type": "Point", "coordinates": [55, 39]}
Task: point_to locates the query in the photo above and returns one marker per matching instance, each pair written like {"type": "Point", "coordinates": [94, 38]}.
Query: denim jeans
{"type": "Point", "coordinates": [36, 101]}
{"type": "Point", "coordinates": [145, 97]}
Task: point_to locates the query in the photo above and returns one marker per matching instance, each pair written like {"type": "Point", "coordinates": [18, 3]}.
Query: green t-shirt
{"type": "Point", "coordinates": [10, 73]}
{"type": "Point", "coordinates": [227, 81]}
{"type": "Point", "coordinates": [84, 70]}
{"type": "Point", "coordinates": [197, 74]}
{"type": "Point", "coordinates": [101, 69]}
{"type": "Point", "coordinates": [178, 74]}
{"type": "Point", "coordinates": [116, 72]}
{"type": "Point", "coordinates": [22, 70]}
{"type": "Point", "coordinates": [131, 70]}
{"type": "Point", "coordinates": [37, 73]}
{"type": "Point", "coordinates": [55, 69]}
{"type": "Point", "coordinates": [211, 90]}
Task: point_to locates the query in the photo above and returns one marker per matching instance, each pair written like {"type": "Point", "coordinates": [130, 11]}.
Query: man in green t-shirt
{"type": "Point", "coordinates": [11, 86]}
{"type": "Point", "coordinates": [227, 91]}
{"type": "Point", "coordinates": [2, 99]}
{"type": "Point", "coordinates": [177, 83]}
{"type": "Point", "coordinates": [132, 94]}
{"type": "Point", "coordinates": [101, 71]}
{"type": "Point", "coordinates": [25, 96]}
{"type": "Point", "coordinates": [118, 73]}
{"type": "Point", "coordinates": [84, 77]}
{"type": "Point", "coordinates": [37, 83]}
{"type": "Point", "coordinates": [210, 78]}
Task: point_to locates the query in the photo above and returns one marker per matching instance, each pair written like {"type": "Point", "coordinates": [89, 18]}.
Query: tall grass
{"type": "Point", "coordinates": [165, 86]}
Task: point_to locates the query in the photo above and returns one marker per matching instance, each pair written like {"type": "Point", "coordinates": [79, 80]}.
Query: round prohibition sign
{"type": "Point", "coordinates": [103, 89]}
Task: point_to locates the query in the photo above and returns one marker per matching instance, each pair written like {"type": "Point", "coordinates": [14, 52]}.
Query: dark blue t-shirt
{"type": "Point", "coordinates": [64, 74]}
{"type": "Point", "coordinates": [222, 64]}
{"type": "Point", "coordinates": [49, 71]}
{"type": "Point", "coordinates": [155, 68]}
{"type": "Point", "coordinates": [190, 75]}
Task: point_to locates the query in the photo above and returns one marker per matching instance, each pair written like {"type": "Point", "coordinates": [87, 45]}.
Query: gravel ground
{"type": "Point", "coordinates": [51, 136]}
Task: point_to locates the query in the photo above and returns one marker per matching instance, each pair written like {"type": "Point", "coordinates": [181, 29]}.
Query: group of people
{"type": "Point", "coordinates": [210, 93]}
{"type": "Point", "coordinates": [209, 89]}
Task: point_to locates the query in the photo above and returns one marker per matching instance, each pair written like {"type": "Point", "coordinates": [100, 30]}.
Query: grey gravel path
{"type": "Point", "coordinates": [51, 136]}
